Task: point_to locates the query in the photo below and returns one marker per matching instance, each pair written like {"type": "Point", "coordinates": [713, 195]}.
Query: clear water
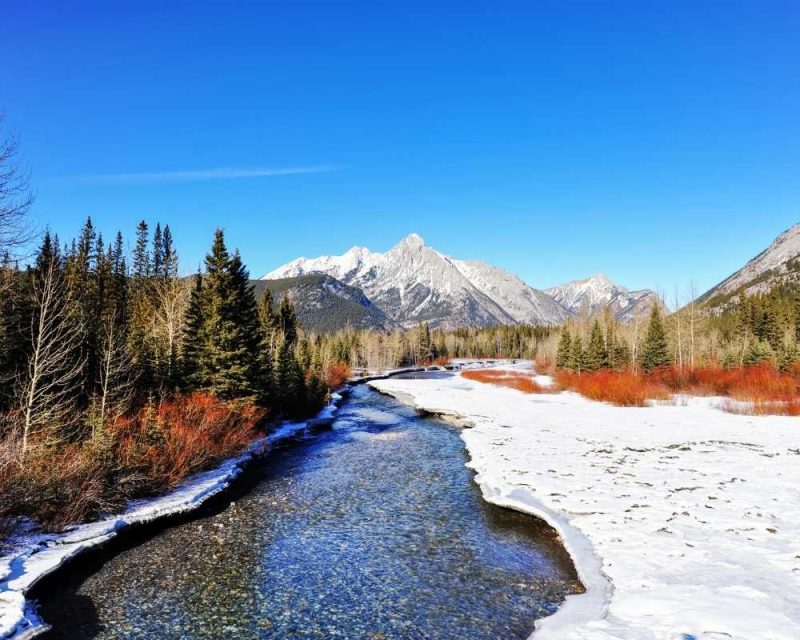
{"type": "Point", "coordinates": [373, 530]}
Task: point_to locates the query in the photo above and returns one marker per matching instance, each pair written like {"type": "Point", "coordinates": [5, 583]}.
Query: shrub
{"type": "Point", "coordinates": [337, 374]}
{"type": "Point", "coordinates": [163, 444]}
{"type": "Point", "coordinates": [511, 379]}
{"type": "Point", "coordinates": [149, 452]}
{"type": "Point", "coordinates": [621, 388]}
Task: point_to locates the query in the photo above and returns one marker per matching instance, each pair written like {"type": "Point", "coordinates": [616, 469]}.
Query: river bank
{"type": "Point", "coordinates": [35, 555]}
{"type": "Point", "coordinates": [682, 520]}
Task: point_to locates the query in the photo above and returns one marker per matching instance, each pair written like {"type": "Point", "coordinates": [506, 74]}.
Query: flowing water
{"type": "Point", "coordinates": [371, 530]}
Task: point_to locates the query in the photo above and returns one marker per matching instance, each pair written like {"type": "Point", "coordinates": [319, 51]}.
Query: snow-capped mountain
{"type": "Point", "coordinates": [777, 264]}
{"type": "Point", "coordinates": [413, 282]}
{"type": "Point", "coordinates": [594, 294]}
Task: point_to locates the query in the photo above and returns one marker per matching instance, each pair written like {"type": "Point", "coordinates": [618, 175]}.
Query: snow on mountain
{"type": "Point", "coordinates": [594, 294]}
{"type": "Point", "coordinates": [522, 302]}
{"type": "Point", "coordinates": [776, 264]}
{"type": "Point", "coordinates": [413, 282]}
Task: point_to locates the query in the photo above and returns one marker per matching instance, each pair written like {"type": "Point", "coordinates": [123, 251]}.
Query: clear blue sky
{"type": "Point", "coordinates": [656, 141]}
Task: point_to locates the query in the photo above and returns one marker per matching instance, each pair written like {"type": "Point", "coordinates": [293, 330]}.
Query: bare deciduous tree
{"type": "Point", "coordinates": [170, 301]}
{"type": "Point", "coordinates": [115, 381]}
{"type": "Point", "coordinates": [15, 195]}
{"type": "Point", "coordinates": [49, 385]}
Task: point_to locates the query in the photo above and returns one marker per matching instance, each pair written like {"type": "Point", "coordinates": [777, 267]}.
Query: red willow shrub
{"type": "Point", "coordinates": [512, 379]}
{"type": "Point", "coordinates": [136, 456]}
{"type": "Point", "coordinates": [167, 442]}
{"type": "Point", "coordinates": [337, 374]}
{"type": "Point", "coordinates": [769, 390]}
{"type": "Point", "coordinates": [622, 388]}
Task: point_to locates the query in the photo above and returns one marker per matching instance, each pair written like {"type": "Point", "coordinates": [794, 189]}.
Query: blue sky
{"type": "Point", "coordinates": [658, 142]}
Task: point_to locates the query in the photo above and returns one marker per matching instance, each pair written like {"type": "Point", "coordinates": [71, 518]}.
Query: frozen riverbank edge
{"type": "Point", "coordinates": [35, 556]}
{"type": "Point", "coordinates": [584, 607]}
{"type": "Point", "coordinates": [682, 521]}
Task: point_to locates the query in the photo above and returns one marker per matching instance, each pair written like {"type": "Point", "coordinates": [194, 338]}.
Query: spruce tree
{"type": "Point", "coordinates": [564, 350]}
{"type": "Point", "coordinates": [596, 353]}
{"type": "Point", "coordinates": [223, 327]}
{"type": "Point", "coordinates": [158, 252]}
{"type": "Point", "coordinates": [577, 357]}
{"type": "Point", "coordinates": [141, 257]}
{"type": "Point", "coordinates": [655, 350]}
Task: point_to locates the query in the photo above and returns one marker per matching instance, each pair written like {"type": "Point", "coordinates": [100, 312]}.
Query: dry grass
{"type": "Point", "coordinates": [511, 379]}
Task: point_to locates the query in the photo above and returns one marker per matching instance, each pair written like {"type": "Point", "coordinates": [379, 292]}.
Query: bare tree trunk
{"type": "Point", "coordinates": [15, 196]}
{"type": "Point", "coordinates": [47, 391]}
{"type": "Point", "coordinates": [115, 382]}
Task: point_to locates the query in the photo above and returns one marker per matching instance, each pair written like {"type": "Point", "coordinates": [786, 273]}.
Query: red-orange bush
{"type": "Point", "coordinates": [169, 441]}
{"type": "Point", "coordinates": [337, 374]}
{"type": "Point", "coordinates": [512, 379]}
{"type": "Point", "coordinates": [622, 388]}
{"type": "Point", "coordinates": [146, 453]}
{"type": "Point", "coordinates": [770, 390]}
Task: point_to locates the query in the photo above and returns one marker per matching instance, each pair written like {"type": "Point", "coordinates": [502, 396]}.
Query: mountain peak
{"type": "Point", "coordinates": [775, 265]}
{"type": "Point", "coordinates": [412, 241]}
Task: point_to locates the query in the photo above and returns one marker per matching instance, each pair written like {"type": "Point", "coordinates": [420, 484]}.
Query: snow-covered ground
{"type": "Point", "coordinates": [683, 521]}
{"type": "Point", "coordinates": [34, 556]}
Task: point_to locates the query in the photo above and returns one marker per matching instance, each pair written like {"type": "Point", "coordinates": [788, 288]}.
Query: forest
{"type": "Point", "coordinates": [119, 377]}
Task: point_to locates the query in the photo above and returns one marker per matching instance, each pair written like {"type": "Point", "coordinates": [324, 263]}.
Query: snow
{"type": "Point", "coordinates": [34, 556]}
{"type": "Point", "coordinates": [598, 292]}
{"type": "Point", "coordinates": [770, 261]}
{"type": "Point", "coordinates": [412, 282]}
{"type": "Point", "coordinates": [683, 521]}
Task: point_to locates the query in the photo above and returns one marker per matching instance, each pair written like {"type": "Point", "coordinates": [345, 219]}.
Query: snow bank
{"type": "Point", "coordinates": [683, 521]}
{"type": "Point", "coordinates": [36, 555]}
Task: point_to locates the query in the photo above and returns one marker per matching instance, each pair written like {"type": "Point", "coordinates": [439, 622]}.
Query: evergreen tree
{"type": "Point", "coordinates": [158, 253]}
{"type": "Point", "coordinates": [564, 350]}
{"type": "Point", "coordinates": [169, 255]}
{"type": "Point", "coordinates": [224, 355]}
{"type": "Point", "coordinates": [620, 354]}
{"type": "Point", "coordinates": [577, 357]}
{"type": "Point", "coordinates": [655, 350]}
{"type": "Point", "coordinates": [759, 351]}
{"type": "Point", "coordinates": [141, 257]}
{"type": "Point", "coordinates": [596, 353]}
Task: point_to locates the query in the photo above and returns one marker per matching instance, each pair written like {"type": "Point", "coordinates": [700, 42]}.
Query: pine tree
{"type": "Point", "coordinates": [141, 257]}
{"type": "Point", "coordinates": [596, 353]}
{"type": "Point", "coordinates": [223, 354]}
{"type": "Point", "coordinates": [169, 255]}
{"type": "Point", "coordinates": [158, 255]}
{"type": "Point", "coordinates": [655, 350]}
{"type": "Point", "coordinates": [619, 354]}
{"type": "Point", "coordinates": [577, 357]}
{"type": "Point", "coordinates": [194, 366]}
{"type": "Point", "coordinates": [564, 351]}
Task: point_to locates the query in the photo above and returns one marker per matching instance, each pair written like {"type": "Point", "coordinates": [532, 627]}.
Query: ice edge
{"type": "Point", "coordinates": [588, 606]}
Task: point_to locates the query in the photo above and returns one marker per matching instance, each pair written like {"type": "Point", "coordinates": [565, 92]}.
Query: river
{"type": "Point", "coordinates": [371, 530]}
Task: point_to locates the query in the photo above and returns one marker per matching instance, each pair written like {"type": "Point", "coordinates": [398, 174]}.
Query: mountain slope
{"type": "Point", "coordinates": [594, 294]}
{"type": "Point", "coordinates": [777, 264]}
{"type": "Point", "coordinates": [413, 283]}
{"type": "Point", "coordinates": [323, 304]}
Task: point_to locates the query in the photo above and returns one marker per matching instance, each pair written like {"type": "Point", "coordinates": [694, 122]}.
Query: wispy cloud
{"type": "Point", "coordinates": [196, 175]}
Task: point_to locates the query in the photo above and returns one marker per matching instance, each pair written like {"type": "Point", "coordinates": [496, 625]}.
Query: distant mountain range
{"type": "Point", "coordinates": [413, 283]}
{"type": "Point", "coordinates": [777, 264]}
{"type": "Point", "coordinates": [597, 293]}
